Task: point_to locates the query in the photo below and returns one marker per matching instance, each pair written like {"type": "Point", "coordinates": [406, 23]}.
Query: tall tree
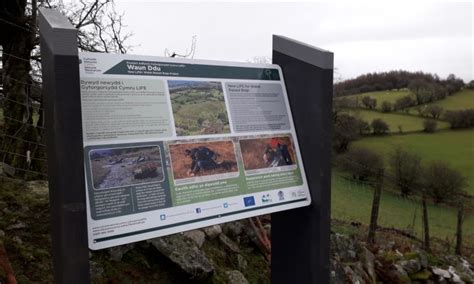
{"type": "Point", "coordinates": [99, 30]}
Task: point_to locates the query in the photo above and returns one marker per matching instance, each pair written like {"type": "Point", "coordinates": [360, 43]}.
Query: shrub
{"type": "Point", "coordinates": [442, 182]}
{"type": "Point", "coordinates": [386, 106]}
{"type": "Point", "coordinates": [346, 130]}
{"type": "Point", "coordinates": [429, 125]}
{"type": "Point", "coordinates": [379, 126]}
{"type": "Point", "coordinates": [361, 162]}
{"type": "Point", "coordinates": [406, 167]}
{"type": "Point", "coordinates": [404, 102]}
{"type": "Point", "coordinates": [369, 102]}
{"type": "Point", "coordinates": [434, 111]}
{"type": "Point", "coordinates": [364, 127]}
{"type": "Point", "coordinates": [460, 118]}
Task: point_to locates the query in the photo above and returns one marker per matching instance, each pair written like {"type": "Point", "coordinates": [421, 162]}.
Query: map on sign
{"type": "Point", "coordinates": [172, 145]}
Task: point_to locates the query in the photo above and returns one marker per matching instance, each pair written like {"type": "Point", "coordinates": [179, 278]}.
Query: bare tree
{"type": "Point", "coordinates": [100, 30]}
{"type": "Point", "coordinates": [189, 53]}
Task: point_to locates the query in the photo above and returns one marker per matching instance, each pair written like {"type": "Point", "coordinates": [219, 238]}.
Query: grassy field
{"type": "Point", "coordinates": [408, 123]}
{"type": "Point", "coordinates": [454, 147]}
{"type": "Point", "coordinates": [460, 100]}
{"type": "Point", "coordinates": [381, 96]}
{"type": "Point", "coordinates": [351, 202]}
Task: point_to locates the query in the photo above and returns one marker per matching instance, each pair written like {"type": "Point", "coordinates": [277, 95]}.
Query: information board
{"type": "Point", "coordinates": [172, 145]}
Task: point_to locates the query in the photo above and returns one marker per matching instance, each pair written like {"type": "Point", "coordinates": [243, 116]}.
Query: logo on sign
{"type": "Point", "coordinates": [266, 198]}
{"type": "Point", "coordinates": [249, 201]}
{"type": "Point", "coordinates": [281, 195]}
{"type": "Point", "coordinates": [163, 217]}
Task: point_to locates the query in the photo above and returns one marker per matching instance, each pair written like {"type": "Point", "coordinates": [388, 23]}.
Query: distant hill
{"type": "Point", "coordinates": [393, 80]}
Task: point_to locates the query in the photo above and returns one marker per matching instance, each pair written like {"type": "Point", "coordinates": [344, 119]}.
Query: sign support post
{"type": "Point", "coordinates": [301, 237]}
{"type": "Point", "coordinates": [62, 104]}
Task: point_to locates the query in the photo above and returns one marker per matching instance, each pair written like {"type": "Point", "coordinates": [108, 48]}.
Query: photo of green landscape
{"type": "Point", "coordinates": [198, 107]}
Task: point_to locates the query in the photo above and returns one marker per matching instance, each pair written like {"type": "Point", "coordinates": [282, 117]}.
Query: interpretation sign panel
{"type": "Point", "coordinates": [174, 144]}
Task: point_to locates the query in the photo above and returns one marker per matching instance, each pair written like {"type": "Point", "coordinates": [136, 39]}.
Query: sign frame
{"type": "Point", "coordinates": [108, 68]}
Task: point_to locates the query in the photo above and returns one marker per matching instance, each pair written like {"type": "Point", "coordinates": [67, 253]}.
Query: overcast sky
{"type": "Point", "coordinates": [365, 37]}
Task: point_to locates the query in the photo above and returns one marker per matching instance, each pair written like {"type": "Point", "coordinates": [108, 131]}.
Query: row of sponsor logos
{"type": "Point", "coordinates": [248, 201]}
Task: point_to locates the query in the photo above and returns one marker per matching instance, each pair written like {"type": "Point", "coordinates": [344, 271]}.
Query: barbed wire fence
{"type": "Point", "coordinates": [22, 150]}
{"type": "Point", "coordinates": [390, 186]}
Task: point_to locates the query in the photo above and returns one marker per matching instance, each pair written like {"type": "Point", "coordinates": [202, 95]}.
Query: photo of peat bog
{"type": "Point", "coordinates": [125, 166]}
{"type": "Point", "coordinates": [269, 152]}
{"type": "Point", "coordinates": [198, 107]}
{"type": "Point", "coordinates": [203, 159]}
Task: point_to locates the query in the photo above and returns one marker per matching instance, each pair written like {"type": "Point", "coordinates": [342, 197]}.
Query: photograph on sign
{"type": "Point", "coordinates": [198, 107]}
{"type": "Point", "coordinates": [268, 154]}
{"type": "Point", "coordinates": [172, 145]}
{"type": "Point", "coordinates": [192, 161]}
{"type": "Point", "coordinates": [119, 167]}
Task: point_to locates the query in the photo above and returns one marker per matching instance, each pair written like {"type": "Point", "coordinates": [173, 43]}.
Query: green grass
{"type": "Point", "coordinates": [454, 147]}
{"type": "Point", "coordinates": [460, 100]}
{"type": "Point", "coordinates": [381, 96]}
{"type": "Point", "coordinates": [408, 123]}
{"type": "Point", "coordinates": [352, 202]}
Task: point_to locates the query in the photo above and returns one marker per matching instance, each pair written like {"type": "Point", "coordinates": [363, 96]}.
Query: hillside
{"type": "Point", "coordinates": [461, 100]}
{"type": "Point", "coordinates": [381, 96]}
{"type": "Point", "coordinates": [398, 122]}
{"type": "Point", "coordinates": [351, 202]}
{"type": "Point", "coordinates": [454, 147]}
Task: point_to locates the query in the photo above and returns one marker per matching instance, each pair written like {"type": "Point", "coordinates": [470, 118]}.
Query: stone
{"type": "Point", "coordinates": [236, 277]}
{"type": "Point", "coordinates": [454, 276]}
{"type": "Point", "coordinates": [184, 253]}
{"type": "Point", "coordinates": [2, 234]}
{"type": "Point", "coordinates": [17, 240]}
{"type": "Point", "coordinates": [233, 229]}
{"type": "Point", "coordinates": [116, 253]}
{"type": "Point", "coordinates": [197, 236]}
{"type": "Point", "coordinates": [401, 274]}
{"type": "Point", "coordinates": [96, 270]}
{"type": "Point", "coordinates": [7, 170]}
{"type": "Point", "coordinates": [228, 243]}
{"type": "Point", "coordinates": [465, 270]}
{"type": "Point", "coordinates": [359, 276]}
{"type": "Point", "coordinates": [213, 231]}
{"type": "Point", "coordinates": [338, 273]}
{"type": "Point", "coordinates": [422, 275]}
{"type": "Point", "coordinates": [17, 226]}
{"type": "Point", "coordinates": [242, 263]}
{"type": "Point", "coordinates": [345, 247]}
{"type": "Point", "coordinates": [39, 187]}
{"type": "Point", "coordinates": [441, 272]}
{"type": "Point", "coordinates": [410, 266]}
{"type": "Point", "coordinates": [367, 258]}
{"type": "Point", "coordinates": [423, 259]}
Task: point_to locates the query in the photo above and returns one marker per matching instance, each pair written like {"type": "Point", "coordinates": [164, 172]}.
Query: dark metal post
{"type": "Point", "coordinates": [301, 237]}
{"type": "Point", "coordinates": [62, 104]}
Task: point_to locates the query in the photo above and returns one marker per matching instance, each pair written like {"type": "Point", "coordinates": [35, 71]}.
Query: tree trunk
{"type": "Point", "coordinates": [19, 134]}
{"type": "Point", "coordinates": [459, 226]}
{"type": "Point", "coordinates": [426, 228]}
{"type": "Point", "coordinates": [375, 207]}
